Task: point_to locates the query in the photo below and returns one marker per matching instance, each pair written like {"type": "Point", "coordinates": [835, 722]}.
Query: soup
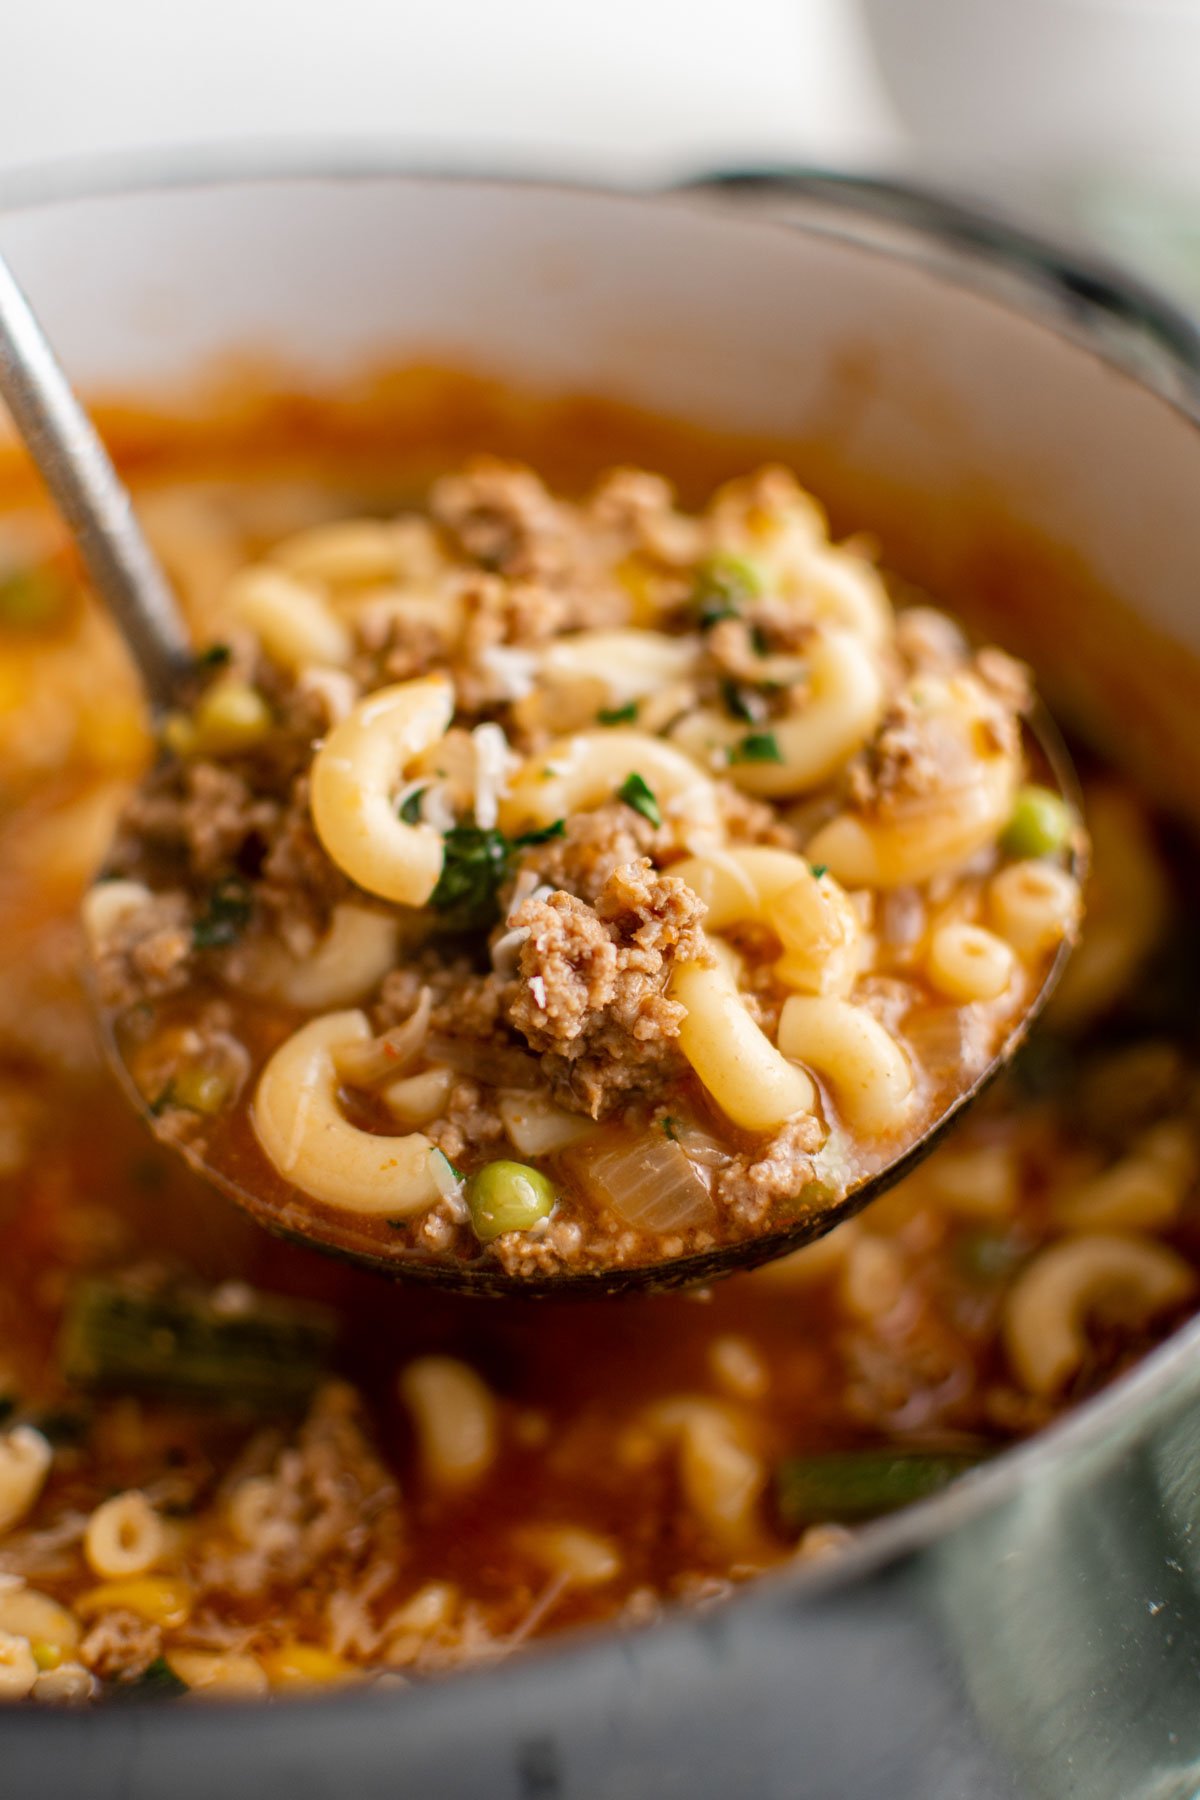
{"type": "Point", "coordinates": [228, 1465]}
{"type": "Point", "coordinates": [560, 887]}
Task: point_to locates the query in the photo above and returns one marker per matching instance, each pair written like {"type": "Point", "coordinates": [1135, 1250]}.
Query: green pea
{"type": "Point", "coordinates": [508, 1196]}
{"type": "Point", "coordinates": [201, 1090]}
{"type": "Point", "coordinates": [1040, 824]}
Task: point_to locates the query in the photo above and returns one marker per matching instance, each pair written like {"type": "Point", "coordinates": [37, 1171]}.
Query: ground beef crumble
{"type": "Point", "coordinates": [593, 985]}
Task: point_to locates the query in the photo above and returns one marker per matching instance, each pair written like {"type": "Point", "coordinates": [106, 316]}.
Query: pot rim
{"type": "Point", "coordinates": [1086, 295]}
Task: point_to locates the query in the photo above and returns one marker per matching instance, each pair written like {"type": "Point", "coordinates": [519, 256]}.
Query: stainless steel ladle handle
{"type": "Point", "coordinates": [89, 493]}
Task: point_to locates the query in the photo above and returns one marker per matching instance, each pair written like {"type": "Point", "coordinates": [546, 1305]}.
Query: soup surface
{"type": "Point", "coordinates": [227, 1464]}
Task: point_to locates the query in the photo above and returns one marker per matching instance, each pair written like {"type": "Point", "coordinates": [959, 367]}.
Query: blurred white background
{"type": "Point", "coordinates": [1082, 111]}
{"type": "Point", "coordinates": [638, 87]}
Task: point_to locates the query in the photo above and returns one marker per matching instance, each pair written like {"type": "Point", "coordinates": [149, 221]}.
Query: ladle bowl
{"type": "Point", "coordinates": [80, 476]}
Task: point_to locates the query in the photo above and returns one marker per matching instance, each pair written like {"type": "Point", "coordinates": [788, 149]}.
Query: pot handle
{"type": "Point", "coordinates": [1084, 283]}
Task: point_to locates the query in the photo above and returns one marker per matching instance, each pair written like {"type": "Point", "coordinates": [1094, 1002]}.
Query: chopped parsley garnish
{"type": "Point", "coordinates": [757, 747]}
{"type": "Point", "coordinates": [738, 703]}
{"type": "Point", "coordinates": [410, 806]}
{"type": "Point", "coordinates": [668, 1124]}
{"type": "Point", "coordinates": [476, 863]}
{"type": "Point", "coordinates": [634, 792]}
{"type": "Point", "coordinates": [818, 870]}
{"type": "Point", "coordinates": [760, 641]}
{"type": "Point", "coordinates": [543, 835]}
{"type": "Point", "coordinates": [618, 715]}
{"type": "Point", "coordinates": [157, 1681]}
{"type": "Point", "coordinates": [227, 915]}
{"type": "Point", "coordinates": [214, 656]}
{"type": "Point", "coordinates": [723, 585]}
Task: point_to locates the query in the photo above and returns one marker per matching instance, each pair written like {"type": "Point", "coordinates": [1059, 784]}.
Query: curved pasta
{"type": "Point", "coordinates": [863, 1064]}
{"type": "Point", "coordinates": [298, 1122]}
{"type": "Point", "coordinates": [350, 960]}
{"type": "Point", "coordinates": [628, 663]}
{"type": "Point", "coordinates": [843, 705]}
{"type": "Point", "coordinates": [957, 804]}
{"type": "Point", "coordinates": [743, 1071]}
{"type": "Point", "coordinates": [1144, 1191]}
{"type": "Point", "coordinates": [823, 948]}
{"type": "Point", "coordinates": [107, 906]}
{"type": "Point", "coordinates": [355, 775]}
{"type": "Point", "coordinates": [849, 591]}
{"type": "Point", "coordinates": [967, 962]}
{"type": "Point", "coordinates": [884, 853]}
{"type": "Point", "coordinates": [25, 1458]}
{"type": "Point", "coordinates": [577, 773]}
{"type": "Point", "coordinates": [124, 1536]}
{"type": "Point", "coordinates": [721, 1474]}
{"type": "Point", "coordinates": [293, 622]}
{"type": "Point", "coordinates": [1046, 1312]}
{"type": "Point", "coordinates": [454, 1414]}
{"type": "Point", "coordinates": [1034, 905]}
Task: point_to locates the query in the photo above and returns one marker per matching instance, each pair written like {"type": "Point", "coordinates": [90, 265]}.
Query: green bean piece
{"type": "Point", "coordinates": [1040, 824]}
{"type": "Point", "coordinates": [850, 1486]}
{"type": "Point", "coordinates": [508, 1196]}
{"type": "Point", "coordinates": [253, 1350]}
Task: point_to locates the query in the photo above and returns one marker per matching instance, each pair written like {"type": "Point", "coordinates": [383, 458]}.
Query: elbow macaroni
{"type": "Point", "coordinates": [842, 707]}
{"type": "Point", "coordinates": [743, 1071]}
{"type": "Point", "coordinates": [350, 960]}
{"type": "Point", "coordinates": [863, 1063]}
{"type": "Point", "coordinates": [578, 773]}
{"type": "Point", "coordinates": [355, 776]}
{"type": "Point", "coordinates": [455, 1418]}
{"type": "Point", "coordinates": [311, 1143]}
{"type": "Point", "coordinates": [823, 947]}
{"type": "Point", "coordinates": [291, 620]}
{"type": "Point", "coordinates": [1046, 1313]}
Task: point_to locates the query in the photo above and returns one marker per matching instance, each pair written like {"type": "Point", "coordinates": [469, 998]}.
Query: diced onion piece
{"type": "Point", "coordinates": [381, 1058]}
{"type": "Point", "coordinates": [499, 1065]}
{"type": "Point", "coordinates": [650, 1182]}
{"type": "Point", "coordinates": [536, 1127]}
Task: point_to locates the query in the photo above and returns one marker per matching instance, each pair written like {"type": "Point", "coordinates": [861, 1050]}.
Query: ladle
{"type": "Point", "coordinates": [64, 445]}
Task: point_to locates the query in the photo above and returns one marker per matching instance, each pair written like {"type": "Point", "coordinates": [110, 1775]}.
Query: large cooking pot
{"type": "Point", "coordinates": [982, 400]}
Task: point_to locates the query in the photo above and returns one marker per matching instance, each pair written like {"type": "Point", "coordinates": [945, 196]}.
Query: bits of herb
{"type": "Point", "coordinates": [819, 869]}
{"type": "Point", "coordinates": [476, 864]}
{"type": "Point", "coordinates": [722, 587]}
{"type": "Point", "coordinates": [213, 656]}
{"type": "Point", "coordinates": [757, 747]}
{"type": "Point", "coordinates": [410, 806]}
{"type": "Point", "coordinates": [618, 715]}
{"type": "Point", "coordinates": [668, 1124]}
{"type": "Point", "coordinates": [740, 704]}
{"type": "Point", "coordinates": [635, 792]}
{"type": "Point", "coordinates": [157, 1681]}
{"type": "Point", "coordinates": [225, 917]}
